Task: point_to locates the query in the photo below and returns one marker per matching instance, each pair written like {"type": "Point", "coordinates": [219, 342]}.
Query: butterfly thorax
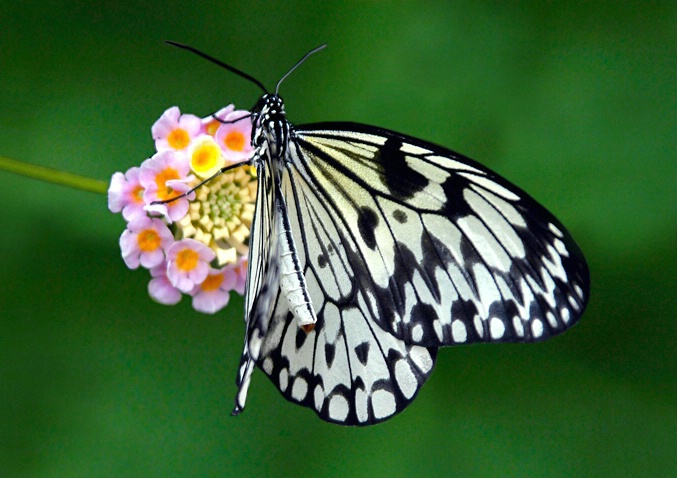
{"type": "Point", "coordinates": [271, 128]}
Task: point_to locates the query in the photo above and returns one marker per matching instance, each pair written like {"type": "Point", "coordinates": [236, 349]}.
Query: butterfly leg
{"type": "Point", "coordinates": [243, 379]}
{"type": "Point", "coordinates": [250, 353]}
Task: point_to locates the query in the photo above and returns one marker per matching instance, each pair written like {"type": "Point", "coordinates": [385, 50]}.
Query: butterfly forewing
{"type": "Point", "coordinates": [444, 251]}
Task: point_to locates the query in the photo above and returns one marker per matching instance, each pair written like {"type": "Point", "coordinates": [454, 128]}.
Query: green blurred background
{"type": "Point", "coordinates": [574, 101]}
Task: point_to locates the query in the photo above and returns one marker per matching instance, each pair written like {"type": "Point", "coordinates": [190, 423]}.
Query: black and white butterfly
{"type": "Point", "coordinates": [370, 249]}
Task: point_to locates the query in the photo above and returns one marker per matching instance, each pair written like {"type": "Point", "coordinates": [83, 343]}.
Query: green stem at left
{"type": "Point", "coordinates": [53, 176]}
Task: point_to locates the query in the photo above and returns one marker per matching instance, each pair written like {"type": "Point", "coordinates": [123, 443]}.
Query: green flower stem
{"type": "Point", "coordinates": [53, 176]}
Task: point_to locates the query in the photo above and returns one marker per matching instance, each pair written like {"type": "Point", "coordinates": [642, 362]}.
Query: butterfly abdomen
{"type": "Point", "coordinates": [292, 281]}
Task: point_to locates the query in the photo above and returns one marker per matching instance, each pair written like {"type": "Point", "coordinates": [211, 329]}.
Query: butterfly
{"type": "Point", "coordinates": [371, 249]}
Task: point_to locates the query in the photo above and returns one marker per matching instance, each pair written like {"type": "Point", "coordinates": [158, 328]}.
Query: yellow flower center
{"type": "Point", "coordinates": [234, 141]}
{"type": "Point", "coordinates": [221, 214]}
{"type": "Point", "coordinates": [206, 158]}
{"type": "Point", "coordinates": [186, 260]}
{"type": "Point", "coordinates": [178, 139]}
{"type": "Point", "coordinates": [148, 240]}
{"type": "Point", "coordinates": [163, 191]}
{"type": "Point", "coordinates": [137, 194]}
{"type": "Point", "coordinates": [212, 282]}
{"type": "Point", "coordinates": [212, 126]}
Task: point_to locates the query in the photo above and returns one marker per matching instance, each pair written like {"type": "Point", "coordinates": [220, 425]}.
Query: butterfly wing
{"type": "Point", "coordinates": [262, 276]}
{"type": "Point", "coordinates": [405, 247]}
{"type": "Point", "coordinates": [348, 369]}
{"type": "Point", "coordinates": [441, 250]}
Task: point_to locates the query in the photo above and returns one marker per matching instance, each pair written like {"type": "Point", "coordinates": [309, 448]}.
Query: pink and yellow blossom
{"type": "Point", "coordinates": [125, 194]}
{"type": "Point", "coordinates": [188, 263]}
{"type": "Point", "coordinates": [165, 176]}
{"type": "Point", "coordinates": [144, 242]}
{"type": "Point", "coordinates": [175, 131]}
{"type": "Point", "coordinates": [212, 294]}
{"type": "Point", "coordinates": [199, 245]}
{"type": "Point", "coordinates": [234, 136]}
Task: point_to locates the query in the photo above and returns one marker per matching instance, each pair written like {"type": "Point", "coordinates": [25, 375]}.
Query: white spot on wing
{"type": "Point", "coordinates": [283, 379]}
{"type": "Point", "coordinates": [299, 389]}
{"type": "Point", "coordinates": [383, 403]}
{"type": "Point", "coordinates": [566, 316]}
{"type": "Point", "coordinates": [496, 327]}
{"type": "Point", "coordinates": [406, 380]}
{"type": "Point", "coordinates": [579, 291]}
{"type": "Point", "coordinates": [319, 397]}
{"type": "Point", "coordinates": [574, 304]}
{"type": "Point", "coordinates": [331, 327]}
{"type": "Point", "coordinates": [554, 230]}
{"type": "Point", "coordinates": [537, 328]}
{"type": "Point", "coordinates": [417, 332]}
{"type": "Point", "coordinates": [268, 365]}
{"type": "Point", "coordinates": [458, 331]}
{"type": "Point", "coordinates": [486, 287]}
{"type": "Point", "coordinates": [551, 319]}
{"type": "Point", "coordinates": [561, 248]}
{"type": "Point", "coordinates": [555, 266]}
{"type": "Point", "coordinates": [338, 408]}
{"type": "Point", "coordinates": [421, 358]}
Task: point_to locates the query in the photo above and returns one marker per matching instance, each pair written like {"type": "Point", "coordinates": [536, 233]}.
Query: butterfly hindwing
{"type": "Point", "coordinates": [347, 368]}
{"type": "Point", "coordinates": [262, 277]}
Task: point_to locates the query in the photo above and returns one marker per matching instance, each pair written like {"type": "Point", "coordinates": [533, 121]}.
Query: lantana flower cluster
{"type": "Point", "coordinates": [197, 244]}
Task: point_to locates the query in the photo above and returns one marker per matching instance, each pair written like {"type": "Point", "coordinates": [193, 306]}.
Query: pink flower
{"type": "Point", "coordinates": [241, 275]}
{"type": "Point", "coordinates": [125, 194]}
{"type": "Point", "coordinates": [212, 294]}
{"type": "Point", "coordinates": [234, 137]}
{"type": "Point", "coordinates": [144, 242]}
{"type": "Point", "coordinates": [210, 124]}
{"type": "Point", "coordinates": [188, 263]}
{"type": "Point", "coordinates": [165, 176]}
{"type": "Point", "coordinates": [174, 130]}
{"type": "Point", "coordinates": [160, 288]}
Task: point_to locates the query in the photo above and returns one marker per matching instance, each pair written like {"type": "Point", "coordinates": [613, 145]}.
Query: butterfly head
{"type": "Point", "coordinates": [271, 129]}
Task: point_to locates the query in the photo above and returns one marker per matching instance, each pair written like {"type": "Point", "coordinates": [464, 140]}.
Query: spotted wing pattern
{"type": "Point", "coordinates": [406, 247]}
{"type": "Point", "coordinates": [446, 251]}
{"type": "Point", "coordinates": [347, 368]}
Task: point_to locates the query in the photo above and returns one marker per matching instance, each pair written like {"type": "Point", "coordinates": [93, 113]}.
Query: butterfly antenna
{"type": "Point", "coordinates": [305, 57]}
{"type": "Point", "coordinates": [224, 65]}
{"type": "Point", "coordinates": [224, 169]}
